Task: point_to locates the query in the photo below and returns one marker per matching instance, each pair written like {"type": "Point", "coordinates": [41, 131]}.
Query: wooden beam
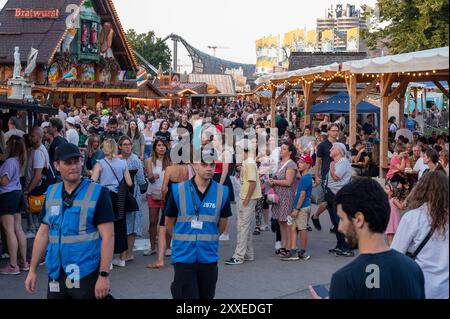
{"type": "Point", "coordinates": [321, 90]}
{"type": "Point", "coordinates": [362, 95]}
{"type": "Point", "coordinates": [399, 90]}
{"type": "Point", "coordinates": [401, 107]}
{"type": "Point", "coordinates": [416, 104]}
{"type": "Point", "coordinates": [387, 84]}
{"type": "Point", "coordinates": [285, 91]}
{"type": "Point", "coordinates": [440, 87]}
{"type": "Point", "coordinates": [351, 88]}
{"type": "Point", "coordinates": [307, 93]}
{"type": "Point", "coordinates": [273, 105]}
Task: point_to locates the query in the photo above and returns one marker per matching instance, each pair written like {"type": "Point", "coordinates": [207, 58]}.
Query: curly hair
{"type": "Point", "coordinates": [433, 190]}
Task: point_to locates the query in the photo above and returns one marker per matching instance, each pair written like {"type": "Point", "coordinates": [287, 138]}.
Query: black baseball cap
{"type": "Point", "coordinates": [67, 151]}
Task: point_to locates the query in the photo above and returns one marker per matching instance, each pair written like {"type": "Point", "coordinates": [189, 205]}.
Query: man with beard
{"type": "Point", "coordinates": [379, 272]}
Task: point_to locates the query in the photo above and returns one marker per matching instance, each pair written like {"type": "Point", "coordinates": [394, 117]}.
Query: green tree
{"type": "Point", "coordinates": [408, 25]}
{"type": "Point", "coordinates": [152, 48]}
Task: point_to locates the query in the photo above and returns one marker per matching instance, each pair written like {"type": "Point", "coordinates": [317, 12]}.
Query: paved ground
{"type": "Point", "coordinates": [265, 278]}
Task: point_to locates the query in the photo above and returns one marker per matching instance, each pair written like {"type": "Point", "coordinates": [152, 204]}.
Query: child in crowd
{"type": "Point", "coordinates": [298, 219]}
{"type": "Point", "coordinates": [397, 203]}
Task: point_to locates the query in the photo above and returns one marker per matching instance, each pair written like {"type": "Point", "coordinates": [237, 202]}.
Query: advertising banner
{"type": "Point", "coordinates": [311, 41]}
{"type": "Point", "coordinates": [294, 41]}
{"type": "Point", "coordinates": [266, 54]}
{"type": "Point", "coordinates": [353, 39]}
{"type": "Point", "coordinates": [326, 38]}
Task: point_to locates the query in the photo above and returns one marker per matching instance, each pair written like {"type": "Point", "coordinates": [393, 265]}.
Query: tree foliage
{"type": "Point", "coordinates": [152, 48]}
{"type": "Point", "coordinates": [409, 25]}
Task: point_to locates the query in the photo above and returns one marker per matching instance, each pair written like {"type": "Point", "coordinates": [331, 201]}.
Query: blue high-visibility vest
{"type": "Point", "coordinates": [74, 241]}
{"type": "Point", "coordinates": [190, 245]}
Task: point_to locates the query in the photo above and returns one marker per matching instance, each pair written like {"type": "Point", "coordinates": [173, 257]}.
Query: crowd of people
{"type": "Point", "coordinates": [130, 154]}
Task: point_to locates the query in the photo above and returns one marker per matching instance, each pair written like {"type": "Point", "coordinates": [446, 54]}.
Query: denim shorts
{"type": "Point", "coordinates": [12, 203]}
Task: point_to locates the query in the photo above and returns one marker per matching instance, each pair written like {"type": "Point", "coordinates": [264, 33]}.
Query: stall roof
{"type": "Point", "coordinates": [334, 67]}
{"type": "Point", "coordinates": [434, 59]}
{"type": "Point", "coordinates": [340, 104]}
{"type": "Point", "coordinates": [7, 105]}
{"type": "Point", "coordinates": [427, 60]}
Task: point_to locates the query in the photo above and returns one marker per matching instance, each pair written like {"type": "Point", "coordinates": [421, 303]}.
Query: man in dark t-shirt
{"type": "Point", "coordinates": [282, 125]}
{"type": "Point", "coordinates": [378, 272]}
{"type": "Point", "coordinates": [55, 129]}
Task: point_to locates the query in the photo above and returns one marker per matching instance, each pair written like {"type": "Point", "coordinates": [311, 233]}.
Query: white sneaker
{"type": "Point", "coordinates": [278, 245]}
{"type": "Point", "coordinates": [111, 267]}
{"type": "Point", "coordinates": [118, 262]}
{"type": "Point", "coordinates": [265, 228]}
{"type": "Point", "coordinates": [224, 237]}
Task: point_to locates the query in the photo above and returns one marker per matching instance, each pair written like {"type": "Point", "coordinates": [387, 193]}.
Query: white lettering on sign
{"type": "Point", "coordinates": [37, 14]}
{"type": "Point", "coordinates": [209, 205]}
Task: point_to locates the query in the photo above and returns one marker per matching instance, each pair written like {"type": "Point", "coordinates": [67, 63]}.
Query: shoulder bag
{"type": "Point", "coordinates": [126, 200]}
{"type": "Point", "coordinates": [272, 197]}
{"type": "Point", "coordinates": [422, 244]}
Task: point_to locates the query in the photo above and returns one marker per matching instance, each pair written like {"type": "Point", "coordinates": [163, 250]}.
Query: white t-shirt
{"type": "Point", "coordinates": [434, 257]}
{"type": "Point", "coordinates": [38, 159]}
{"type": "Point", "coordinates": [420, 167]}
{"type": "Point", "coordinates": [72, 136]}
{"type": "Point", "coordinates": [156, 186]}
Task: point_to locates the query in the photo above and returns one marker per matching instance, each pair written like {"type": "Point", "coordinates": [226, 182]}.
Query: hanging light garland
{"type": "Point", "coordinates": [338, 74]}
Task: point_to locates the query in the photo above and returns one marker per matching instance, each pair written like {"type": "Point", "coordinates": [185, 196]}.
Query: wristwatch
{"type": "Point", "coordinates": [104, 274]}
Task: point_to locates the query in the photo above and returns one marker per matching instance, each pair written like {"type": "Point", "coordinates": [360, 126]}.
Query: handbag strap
{"type": "Point", "coordinates": [282, 167]}
{"type": "Point", "coordinates": [112, 169]}
{"type": "Point", "coordinates": [422, 244]}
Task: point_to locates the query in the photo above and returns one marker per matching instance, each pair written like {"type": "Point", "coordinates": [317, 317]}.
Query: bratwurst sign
{"type": "Point", "coordinates": [37, 14]}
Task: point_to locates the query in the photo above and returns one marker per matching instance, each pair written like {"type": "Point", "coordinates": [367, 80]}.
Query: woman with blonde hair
{"type": "Point", "coordinates": [109, 172]}
{"type": "Point", "coordinates": [93, 154]}
{"type": "Point", "coordinates": [423, 232]}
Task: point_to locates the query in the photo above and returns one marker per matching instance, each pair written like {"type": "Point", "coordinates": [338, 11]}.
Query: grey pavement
{"type": "Point", "coordinates": [265, 278]}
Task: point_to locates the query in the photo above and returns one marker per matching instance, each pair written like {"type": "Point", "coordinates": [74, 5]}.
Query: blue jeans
{"type": "Point", "coordinates": [148, 151]}
{"type": "Point", "coordinates": [332, 210]}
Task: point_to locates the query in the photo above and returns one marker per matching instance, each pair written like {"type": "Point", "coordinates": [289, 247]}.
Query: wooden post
{"type": "Point", "coordinates": [307, 93]}
{"type": "Point", "coordinates": [401, 108]}
{"type": "Point", "coordinates": [273, 105]}
{"type": "Point", "coordinates": [351, 88]}
{"type": "Point", "coordinates": [384, 130]}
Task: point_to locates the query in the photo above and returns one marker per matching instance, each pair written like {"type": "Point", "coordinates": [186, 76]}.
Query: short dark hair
{"type": "Point", "coordinates": [113, 121]}
{"type": "Point", "coordinates": [57, 123]}
{"type": "Point", "coordinates": [366, 196]}
{"type": "Point", "coordinates": [333, 125]}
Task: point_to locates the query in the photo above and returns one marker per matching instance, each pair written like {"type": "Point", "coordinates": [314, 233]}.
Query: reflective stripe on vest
{"type": "Point", "coordinates": [193, 237]}
{"type": "Point", "coordinates": [182, 195]}
{"type": "Point", "coordinates": [50, 201]}
{"type": "Point", "coordinates": [85, 205]}
{"type": "Point", "coordinates": [75, 239]}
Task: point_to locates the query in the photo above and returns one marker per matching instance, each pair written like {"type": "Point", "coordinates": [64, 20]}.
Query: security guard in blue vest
{"type": "Point", "coordinates": [77, 232]}
{"type": "Point", "coordinates": [196, 214]}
